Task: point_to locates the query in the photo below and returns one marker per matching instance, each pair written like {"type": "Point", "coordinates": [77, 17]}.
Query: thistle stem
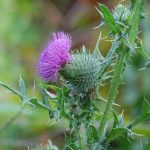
{"type": "Point", "coordinates": [113, 91]}
{"type": "Point", "coordinates": [119, 65]}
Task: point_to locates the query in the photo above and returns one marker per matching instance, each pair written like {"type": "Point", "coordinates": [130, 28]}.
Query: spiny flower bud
{"type": "Point", "coordinates": [82, 73]}
{"type": "Point", "coordinates": [121, 13]}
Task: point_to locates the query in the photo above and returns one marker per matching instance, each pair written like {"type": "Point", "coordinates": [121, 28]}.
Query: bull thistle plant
{"type": "Point", "coordinates": [70, 81]}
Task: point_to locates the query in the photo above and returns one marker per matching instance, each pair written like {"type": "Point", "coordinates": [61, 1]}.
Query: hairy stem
{"type": "Point", "coordinates": [119, 64]}
{"type": "Point", "coordinates": [113, 91]}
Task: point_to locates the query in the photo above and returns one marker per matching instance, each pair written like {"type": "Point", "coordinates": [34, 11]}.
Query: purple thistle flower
{"type": "Point", "coordinates": [54, 56]}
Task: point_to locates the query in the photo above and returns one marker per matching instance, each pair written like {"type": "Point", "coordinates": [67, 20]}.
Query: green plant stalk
{"type": "Point", "coordinates": [119, 65]}
{"type": "Point", "coordinates": [113, 91]}
{"type": "Point", "coordinates": [83, 140]}
{"type": "Point", "coordinates": [138, 6]}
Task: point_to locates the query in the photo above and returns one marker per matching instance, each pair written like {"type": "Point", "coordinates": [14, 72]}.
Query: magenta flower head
{"type": "Point", "coordinates": [54, 56]}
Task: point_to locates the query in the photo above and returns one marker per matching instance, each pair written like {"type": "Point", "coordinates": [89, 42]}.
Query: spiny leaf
{"type": "Point", "coordinates": [109, 19]}
{"type": "Point", "coordinates": [115, 120]}
{"type": "Point", "coordinates": [115, 133]}
{"type": "Point", "coordinates": [141, 50]}
{"type": "Point", "coordinates": [118, 120]}
{"type": "Point", "coordinates": [146, 107]}
{"type": "Point", "coordinates": [92, 133]}
{"type": "Point", "coordinates": [106, 14]}
{"type": "Point", "coordinates": [52, 87]}
{"type": "Point", "coordinates": [34, 101]}
{"type": "Point", "coordinates": [145, 115]}
{"type": "Point", "coordinates": [10, 89]}
{"type": "Point", "coordinates": [22, 89]}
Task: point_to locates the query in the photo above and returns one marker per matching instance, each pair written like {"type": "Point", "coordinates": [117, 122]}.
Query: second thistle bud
{"type": "Point", "coordinates": [122, 14]}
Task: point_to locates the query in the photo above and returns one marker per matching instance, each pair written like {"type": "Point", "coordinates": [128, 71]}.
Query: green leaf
{"type": "Point", "coordinates": [58, 100]}
{"type": "Point", "coordinates": [10, 89]}
{"type": "Point", "coordinates": [54, 87]}
{"type": "Point", "coordinates": [55, 114]}
{"type": "Point", "coordinates": [92, 133]}
{"type": "Point", "coordinates": [145, 115]}
{"type": "Point", "coordinates": [22, 89]}
{"type": "Point", "coordinates": [61, 99]}
{"type": "Point", "coordinates": [109, 19]}
{"type": "Point", "coordinates": [45, 96]}
{"type": "Point", "coordinates": [106, 14]}
{"type": "Point", "coordinates": [115, 28]}
{"type": "Point", "coordinates": [40, 104]}
{"type": "Point", "coordinates": [141, 50]}
{"type": "Point", "coordinates": [115, 133]}
{"type": "Point", "coordinates": [146, 107]}
{"type": "Point", "coordinates": [118, 120]}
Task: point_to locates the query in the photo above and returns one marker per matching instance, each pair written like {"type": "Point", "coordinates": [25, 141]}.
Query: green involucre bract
{"type": "Point", "coordinates": [82, 74]}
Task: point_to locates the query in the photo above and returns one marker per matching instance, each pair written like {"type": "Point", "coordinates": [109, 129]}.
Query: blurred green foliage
{"type": "Point", "coordinates": [24, 29]}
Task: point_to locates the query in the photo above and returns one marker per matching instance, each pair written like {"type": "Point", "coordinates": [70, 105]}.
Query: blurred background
{"type": "Point", "coordinates": [25, 27]}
